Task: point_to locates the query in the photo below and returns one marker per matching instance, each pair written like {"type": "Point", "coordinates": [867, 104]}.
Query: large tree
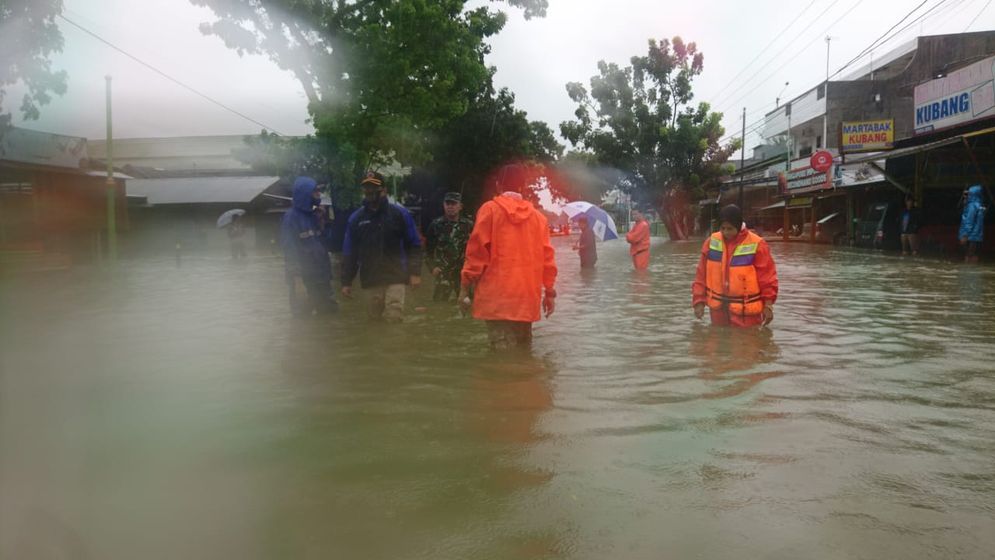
{"type": "Point", "coordinates": [641, 119]}
{"type": "Point", "coordinates": [28, 38]}
{"type": "Point", "coordinates": [381, 76]}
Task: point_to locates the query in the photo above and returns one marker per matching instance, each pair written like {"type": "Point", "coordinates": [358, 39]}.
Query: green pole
{"type": "Point", "coordinates": [111, 186]}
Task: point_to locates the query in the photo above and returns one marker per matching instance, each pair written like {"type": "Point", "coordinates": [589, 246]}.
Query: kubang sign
{"type": "Point", "coordinates": [868, 136]}
{"type": "Point", "coordinates": [962, 96]}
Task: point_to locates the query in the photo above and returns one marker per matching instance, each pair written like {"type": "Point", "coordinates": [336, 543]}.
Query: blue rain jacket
{"type": "Point", "coordinates": [301, 238]}
{"type": "Point", "coordinates": [972, 221]}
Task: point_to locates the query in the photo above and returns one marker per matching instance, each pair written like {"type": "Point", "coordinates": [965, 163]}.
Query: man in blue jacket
{"type": "Point", "coordinates": [304, 253]}
{"type": "Point", "coordinates": [972, 224]}
{"type": "Point", "coordinates": [383, 247]}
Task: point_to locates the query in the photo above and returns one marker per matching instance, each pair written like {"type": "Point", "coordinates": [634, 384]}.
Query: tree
{"type": "Point", "coordinates": [640, 118]}
{"type": "Point", "coordinates": [492, 132]}
{"type": "Point", "coordinates": [28, 37]}
{"type": "Point", "coordinates": [380, 75]}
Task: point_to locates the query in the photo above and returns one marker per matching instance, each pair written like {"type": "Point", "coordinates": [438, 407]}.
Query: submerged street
{"type": "Point", "coordinates": [157, 411]}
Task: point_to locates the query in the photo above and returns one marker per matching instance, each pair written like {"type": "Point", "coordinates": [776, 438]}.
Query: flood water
{"type": "Point", "coordinates": [163, 412]}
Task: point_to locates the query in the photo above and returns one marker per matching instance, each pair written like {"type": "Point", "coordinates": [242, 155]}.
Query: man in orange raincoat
{"type": "Point", "coordinates": [510, 264]}
{"type": "Point", "coordinates": [736, 277]}
{"type": "Point", "coordinates": [639, 241]}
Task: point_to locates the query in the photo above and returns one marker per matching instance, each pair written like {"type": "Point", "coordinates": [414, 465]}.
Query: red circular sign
{"type": "Point", "coordinates": [821, 161]}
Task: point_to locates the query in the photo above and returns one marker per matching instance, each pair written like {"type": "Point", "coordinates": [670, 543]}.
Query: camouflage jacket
{"type": "Point", "coordinates": [446, 243]}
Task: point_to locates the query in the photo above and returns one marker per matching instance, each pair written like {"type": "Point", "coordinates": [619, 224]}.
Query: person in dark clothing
{"type": "Point", "coordinates": [383, 247]}
{"type": "Point", "coordinates": [586, 246]}
{"type": "Point", "coordinates": [305, 256]}
{"type": "Point", "coordinates": [910, 223]}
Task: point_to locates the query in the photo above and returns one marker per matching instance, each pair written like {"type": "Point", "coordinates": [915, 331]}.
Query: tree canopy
{"type": "Point", "coordinates": [28, 38]}
{"type": "Point", "coordinates": [381, 76]}
{"type": "Point", "coordinates": [641, 119]}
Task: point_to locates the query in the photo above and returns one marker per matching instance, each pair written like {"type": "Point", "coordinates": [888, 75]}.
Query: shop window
{"type": "Point", "coordinates": [820, 91]}
{"type": "Point", "coordinates": [818, 142]}
{"type": "Point", "coordinates": [805, 151]}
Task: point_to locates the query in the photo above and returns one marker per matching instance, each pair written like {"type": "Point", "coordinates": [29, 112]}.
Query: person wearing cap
{"type": "Point", "coordinates": [305, 256]}
{"type": "Point", "coordinates": [383, 248]}
{"type": "Point", "coordinates": [510, 264]}
{"type": "Point", "coordinates": [736, 277]}
{"type": "Point", "coordinates": [445, 243]}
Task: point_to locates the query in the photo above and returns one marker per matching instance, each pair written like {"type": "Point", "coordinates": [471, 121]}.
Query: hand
{"type": "Point", "coordinates": [768, 314]}
{"type": "Point", "coordinates": [699, 310]}
{"type": "Point", "coordinates": [347, 291]}
{"type": "Point", "coordinates": [549, 305]}
{"type": "Point", "coordinates": [436, 272]}
{"type": "Point", "coordinates": [415, 281]}
{"type": "Point", "coordinates": [464, 300]}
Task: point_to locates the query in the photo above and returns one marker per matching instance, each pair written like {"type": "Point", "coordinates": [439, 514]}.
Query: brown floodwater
{"type": "Point", "coordinates": [156, 411]}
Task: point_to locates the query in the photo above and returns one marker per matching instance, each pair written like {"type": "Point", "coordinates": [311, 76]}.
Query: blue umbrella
{"type": "Point", "coordinates": [601, 222]}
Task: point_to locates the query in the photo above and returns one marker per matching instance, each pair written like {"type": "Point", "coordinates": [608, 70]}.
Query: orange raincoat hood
{"type": "Point", "coordinates": [517, 208]}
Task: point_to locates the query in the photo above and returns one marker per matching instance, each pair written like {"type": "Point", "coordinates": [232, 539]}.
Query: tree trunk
{"type": "Point", "coordinates": [675, 211]}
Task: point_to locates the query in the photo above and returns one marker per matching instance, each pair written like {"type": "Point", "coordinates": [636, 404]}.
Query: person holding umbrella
{"type": "Point", "coordinates": [736, 277]}
{"type": "Point", "coordinates": [585, 246]}
{"type": "Point", "coordinates": [305, 256]}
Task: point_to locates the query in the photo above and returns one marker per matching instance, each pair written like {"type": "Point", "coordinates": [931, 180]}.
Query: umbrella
{"type": "Point", "coordinates": [226, 218]}
{"type": "Point", "coordinates": [601, 222]}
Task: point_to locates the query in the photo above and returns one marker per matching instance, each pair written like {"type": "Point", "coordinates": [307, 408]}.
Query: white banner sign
{"type": "Point", "coordinates": [962, 96]}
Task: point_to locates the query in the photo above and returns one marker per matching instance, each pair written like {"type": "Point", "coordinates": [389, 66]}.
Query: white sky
{"type": "Point", "coordinates": [535, 59]}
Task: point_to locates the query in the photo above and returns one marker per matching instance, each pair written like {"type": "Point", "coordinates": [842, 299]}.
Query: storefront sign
{"type": "Point", "coordinates": [821, 161]}
{"type": "Point", "coordinates": [962, 96]}
{"type": "Point", "coordinates": [868, 136]}
{"type": "Point", "coordinates": [806, 177]}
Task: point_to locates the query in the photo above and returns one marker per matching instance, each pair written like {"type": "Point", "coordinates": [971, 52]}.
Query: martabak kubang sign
{"type": "Point", "coordinates": [868, 136]}
{"type": "Point", "coordinates": [962, 96]}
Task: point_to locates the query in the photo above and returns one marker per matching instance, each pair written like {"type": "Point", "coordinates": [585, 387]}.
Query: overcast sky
{"type": "Point", "coordinates": [535, 59]}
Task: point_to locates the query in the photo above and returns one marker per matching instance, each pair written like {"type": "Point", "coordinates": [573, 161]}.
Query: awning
{"type": "Point", "coordinates": [201, 190]}
{"type": "Point", "coordinates": [902, 152]}
{"type": "Point", "coordinates": [773, 206]}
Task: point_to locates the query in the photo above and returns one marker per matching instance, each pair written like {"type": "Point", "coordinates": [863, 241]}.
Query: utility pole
{"type": "Point", "coordinates": [825, 114]}
{"type": "Point", "coordinates": [111, 186]}
{"type": "Point", "coordinates": [742, 160]}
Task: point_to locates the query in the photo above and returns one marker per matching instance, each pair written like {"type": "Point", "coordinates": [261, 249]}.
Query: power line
{"type": "Point", "coordinates": [762, 51]}
{"type": "Point", "coordinates": [800, 51]}
{"type": "Point", "coordinates": [985, 7]}
{"type": "Point", "coordinates": [165, 75]}
{"type": "Point", "coordinates": [878, 40]}
{"type": "Point", "coordinates": [786, 47]}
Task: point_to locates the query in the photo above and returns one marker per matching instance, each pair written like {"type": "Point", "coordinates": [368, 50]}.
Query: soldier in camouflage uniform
{"type": "Point", "coordinates": [446, 246]}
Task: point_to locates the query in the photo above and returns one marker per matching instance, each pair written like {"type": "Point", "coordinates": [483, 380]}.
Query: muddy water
{"type": "Point", "coordinates": [164, 412]}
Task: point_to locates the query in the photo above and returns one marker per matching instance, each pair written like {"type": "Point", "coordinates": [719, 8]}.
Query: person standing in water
{"type": "Point", "coordinates": [586, 246]}
{"type": "Point", "coordinates": [510, 264]}
{"type": "Point", "coordinates": [639, 241]}
{"type": "Point", "coordinates": [736, 277]}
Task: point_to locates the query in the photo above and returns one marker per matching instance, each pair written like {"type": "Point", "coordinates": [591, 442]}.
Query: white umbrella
{"type": "Point", "coordinates": [601, 222]}
{"type": "Point", "coordinates": [226, 218]}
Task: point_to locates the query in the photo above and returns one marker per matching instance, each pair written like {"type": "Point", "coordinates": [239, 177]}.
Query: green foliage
{"type": "Point", "coordinates": [28, 37]}
{"type": "Point", "coordinates": [382, 76]}
{"type": "Point", "coordinates": [640, 118]}
{"type": "Point", "coordinates": [490, 133]}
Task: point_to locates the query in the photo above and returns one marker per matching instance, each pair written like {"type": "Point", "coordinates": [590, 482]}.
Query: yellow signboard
{"type": "Point", "coordinates": [868, 136]}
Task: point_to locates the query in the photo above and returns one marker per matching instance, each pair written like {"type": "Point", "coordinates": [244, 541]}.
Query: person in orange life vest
{"type": "Point", "coordinates": [736, 277]}
{"type": "Point", "coordinates": [639, 242]}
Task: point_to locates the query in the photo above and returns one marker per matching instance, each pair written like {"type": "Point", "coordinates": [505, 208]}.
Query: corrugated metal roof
{"type": "Point", "coordinates": [22, 145]}
{"type": "Point", "coordinates": [200, 190]}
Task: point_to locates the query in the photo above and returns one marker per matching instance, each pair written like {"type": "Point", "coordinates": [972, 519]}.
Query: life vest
{"type": "Point", "coordinates": [731, 280]}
